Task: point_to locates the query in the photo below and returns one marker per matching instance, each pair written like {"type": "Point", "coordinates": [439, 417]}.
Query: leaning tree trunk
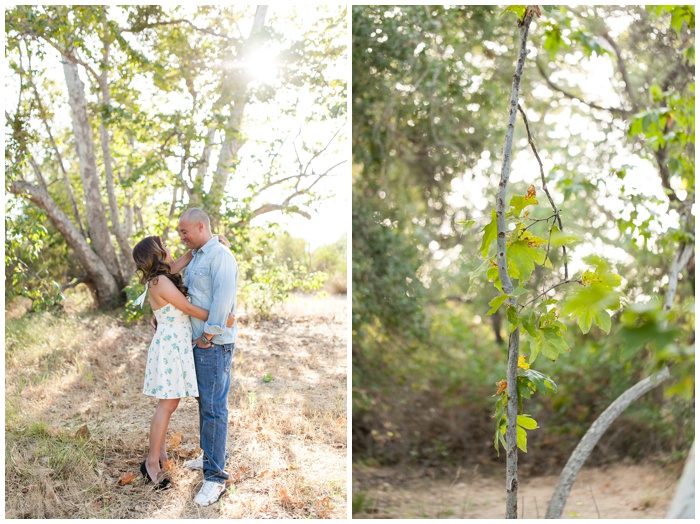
{"type": "Point", "coordinates": [126, 259]}
{"type": "Point", "coordinates": [233, 138]}
{"type": "Point", "coordinates": [591, 438]}
{"type": "Point", "coordinates": [99, 277]}
{"type": "Point", "coordinates": [98, 229]}
{"type": "Point", "coordinates": [501, 258]}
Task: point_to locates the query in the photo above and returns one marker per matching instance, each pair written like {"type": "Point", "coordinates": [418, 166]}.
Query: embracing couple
{"type": "Point", "coordinates": [190, 355]}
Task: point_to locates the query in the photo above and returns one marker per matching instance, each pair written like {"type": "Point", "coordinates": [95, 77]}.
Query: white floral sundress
{"type": "Point", "coordinates": [170, 369]}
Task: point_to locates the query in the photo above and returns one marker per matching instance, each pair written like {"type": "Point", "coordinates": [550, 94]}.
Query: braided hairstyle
{"type": "Point", "coordinates": [149, 255]}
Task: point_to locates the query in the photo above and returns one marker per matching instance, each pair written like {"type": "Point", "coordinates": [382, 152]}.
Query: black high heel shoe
{"type": "Point", "coordinates": [163, 484]}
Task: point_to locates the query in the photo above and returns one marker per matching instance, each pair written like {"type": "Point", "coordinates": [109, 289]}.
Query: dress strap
{"type": "Point", "coordinates": [139, 301]}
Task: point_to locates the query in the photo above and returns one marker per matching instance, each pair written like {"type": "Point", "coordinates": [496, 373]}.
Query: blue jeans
{"type": "Point", "coordinates": [213, 366]}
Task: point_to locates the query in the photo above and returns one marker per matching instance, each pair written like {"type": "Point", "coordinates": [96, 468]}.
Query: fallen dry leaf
{"type": "Point", "coordinates": [83, 432]}
{"type": "Point", "coordinates": [175, 440]}
{"type": "Point", "coordinates": [126, 478]}
{"type": "Point", "coordinates": [168, 465]}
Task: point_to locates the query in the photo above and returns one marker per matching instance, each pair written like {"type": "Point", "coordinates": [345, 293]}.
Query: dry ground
{"type": "Point", "coordinates": [619, 491]}
{"type": "Point", "coordinates": [288, 422]}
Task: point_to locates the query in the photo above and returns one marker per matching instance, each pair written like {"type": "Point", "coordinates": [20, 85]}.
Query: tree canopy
{"type": "Point", "coordinates": [119, 117]}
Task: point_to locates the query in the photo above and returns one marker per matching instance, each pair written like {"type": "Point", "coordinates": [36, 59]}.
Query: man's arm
{"type": "Point", "coordinates": [224, 277]}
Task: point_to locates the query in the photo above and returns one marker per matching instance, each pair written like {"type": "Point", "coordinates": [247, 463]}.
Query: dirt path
{"type": "Point", "coordinates": [287, 441]}
{"type": "Point", "coordinates": [620, 491]}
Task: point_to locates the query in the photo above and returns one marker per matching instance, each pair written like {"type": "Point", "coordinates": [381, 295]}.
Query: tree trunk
{"type": "Point", "coordinates": [683, 503]}
{"type": "Point", "coordinates": [233, 139]}
{"type": "Point", "coordinates": [98, 230]}
{"type": "Point", "coordinates": [591, 438]}
{"type": "Point", "coordinates": [506, 284]}
{"type": "Point", "coordinates": [99, 277]}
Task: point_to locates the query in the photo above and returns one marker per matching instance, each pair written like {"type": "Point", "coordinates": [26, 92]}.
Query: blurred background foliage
{"type": "Point", "coordinates": [609, 94]}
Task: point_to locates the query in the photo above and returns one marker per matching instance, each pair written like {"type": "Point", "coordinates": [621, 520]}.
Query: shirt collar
{"type": "Point", "coordinates": [206, 247]}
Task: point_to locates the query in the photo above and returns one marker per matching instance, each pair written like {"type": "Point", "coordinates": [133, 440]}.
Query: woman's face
{"type": "Point", "coordinates": [168, 256]}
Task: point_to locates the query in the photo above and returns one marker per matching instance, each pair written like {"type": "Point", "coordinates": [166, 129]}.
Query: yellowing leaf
{"type": "Point", "coordinates": [502, 386]}
{"type": "Point", "coordinates": [521, 362]}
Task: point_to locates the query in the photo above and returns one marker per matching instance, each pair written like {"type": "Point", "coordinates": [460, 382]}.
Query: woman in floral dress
{"type": "Point", "coordinates": [170, 372]}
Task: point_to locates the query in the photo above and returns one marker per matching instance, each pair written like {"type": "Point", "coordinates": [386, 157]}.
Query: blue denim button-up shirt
{"type": "Point", "coordinates": [211, 279]}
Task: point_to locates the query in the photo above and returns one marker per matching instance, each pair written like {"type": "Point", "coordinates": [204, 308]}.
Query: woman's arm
{"type": "Point", "coordinates": [185, 259]}
{"type": "Point", "coordinates": [181, 262]}
{"type": "Point", "coordinates": [166, 292]}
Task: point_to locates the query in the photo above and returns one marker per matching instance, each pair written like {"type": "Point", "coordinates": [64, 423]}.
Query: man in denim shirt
{"type": "Point", "coordinates": [211, 279]}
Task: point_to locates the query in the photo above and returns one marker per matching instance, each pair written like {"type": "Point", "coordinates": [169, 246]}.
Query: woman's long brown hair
{"type": "Point", "coordinates": [149, 255]}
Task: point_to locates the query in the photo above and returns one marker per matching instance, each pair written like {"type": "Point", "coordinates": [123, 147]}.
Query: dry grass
{"type": "Point", "coordinates": [288, 422]}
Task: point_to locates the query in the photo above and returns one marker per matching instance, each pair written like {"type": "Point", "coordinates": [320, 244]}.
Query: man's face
{"type": "Point", "coordinates": [190, 233]}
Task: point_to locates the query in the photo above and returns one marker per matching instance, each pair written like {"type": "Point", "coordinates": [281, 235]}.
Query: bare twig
{"type": "Point", "coordinates": [544, 187]}
{"type": "Point", "coordinates": [616, 110]}
{"type": "Point", "coordinates": [590, 488]}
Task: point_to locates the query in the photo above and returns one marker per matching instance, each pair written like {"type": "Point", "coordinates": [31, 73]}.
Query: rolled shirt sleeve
{"type": "Point", "coordinates": [224, 278]}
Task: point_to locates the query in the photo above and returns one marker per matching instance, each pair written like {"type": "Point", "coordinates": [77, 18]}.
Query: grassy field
{"type": "Point", "coordinates": [76, 420]}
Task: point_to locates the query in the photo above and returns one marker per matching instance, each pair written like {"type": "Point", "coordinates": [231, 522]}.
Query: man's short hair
{"type": "Point", "coordinates": [195, 215]}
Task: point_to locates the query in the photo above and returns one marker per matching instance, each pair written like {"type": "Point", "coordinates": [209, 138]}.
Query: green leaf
{"type": "Point", "coordinates": [519, 10]}
{"type": "Point", "coordinates": [518, 203]}
{"type": "Point", "coordinates": [536, 380]}
{"type": "Point", "coordinates": [497, 303]}
{"type": "Point", "coordinates": [512, 318]}
{"type": "Point", "coordinates": [588, 304]}
{"type": "Point", "coordinates": [527, 422]}
{"type": "Point", "coordinates": [522, 257]}
{"type": "Point", "coordinates": [549, 342]}
{"type": "Point", "coordinates": [466, 223]}
{"type": "Point", "coordinates": [522, 439]}
{"type": "Point", "coordinates": [490, 232]}
{"type": "Point", "coordinates": [477, 273]}
{"type": "Point", "coordinates": [558, 239]}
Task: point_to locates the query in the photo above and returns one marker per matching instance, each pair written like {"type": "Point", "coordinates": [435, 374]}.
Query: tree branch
{"type": "Point", "coordinates": [621, 112]}
{"type": "Point", "coordinates": [544, 187]}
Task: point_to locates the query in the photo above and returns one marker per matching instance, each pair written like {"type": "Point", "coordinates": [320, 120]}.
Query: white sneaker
{"type": "Point", "coordinates": [197, 463]}
{"type": "Point", "coordinates": [210, 493]}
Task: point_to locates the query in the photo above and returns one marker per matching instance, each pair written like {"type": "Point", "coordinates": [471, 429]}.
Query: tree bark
{"type": "Point", "coordinates": [683, 502]}
{"type": "Point", "coordinates": [99, 277]}
{"type": "Point", "coordinates": [506, 284]}
{"type": "Point", "coordinates": [233, 138]}
{"type": "Point", "coordinates": [591, 438]}
{"type": "Point", "coordinates": [98, 229]}
{"type": "Point", "coordinates": [126, 260]}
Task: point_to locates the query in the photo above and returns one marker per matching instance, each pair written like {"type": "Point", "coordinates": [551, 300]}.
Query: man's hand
{"type": "Point", "coordinates": [231, 320]}
{"type": "Point", "coordinates": [154, 323]}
